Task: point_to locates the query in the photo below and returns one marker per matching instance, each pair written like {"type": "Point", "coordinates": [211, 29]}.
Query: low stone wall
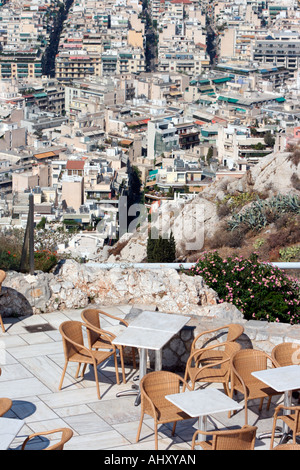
{"type": "Point", "coordinates": [257, 334]}
{"type": "Point", "coordinates": [76, 285]}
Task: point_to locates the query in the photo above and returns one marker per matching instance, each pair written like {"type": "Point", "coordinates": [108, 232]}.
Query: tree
{"type": "Point", "coordinates": [42, 223]}
{"type": "Point", "coordinates": [161, 249]}
{"type": "Point", "coordinates": [209, 155]}
{"type": "Point", "coordinates": [269, 139]}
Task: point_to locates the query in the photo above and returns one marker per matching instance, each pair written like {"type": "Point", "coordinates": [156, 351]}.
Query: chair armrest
{"type": "Point", "coordinates": [209, 366]}
{"type": "Point", "coordinates": [109, 336]}
{"type": "Point", "coordinates": [194, 354]}
{"type": "Point", "coordinates": [234, 372]}
{"type": "Point", "coordinates": [113, 317]}
{"type": "Point", "coordinates": [46, 433]}
{"type": "Point", "coordinates": [105, 334]}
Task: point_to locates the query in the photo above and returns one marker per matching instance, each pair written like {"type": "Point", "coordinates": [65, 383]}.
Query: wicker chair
{"type": "Point", "coordinates": [98, 338]}
{"type": "Point", "coordinates": [154, 387]}
{"type": "Point", "coordinates": [292, 420]}
{"type": "Point", "coordinates": [2, 277]}
{"type": "Point", "coordinates": [76, 351]}
{"type": "Point", "coordinates": [237, 439]}
{"type": "Point", "coordinates": [232, 331]}
{"type": "Point", "coordinates": [211, 364]}
{"type": "Point", "coordinates": [66, 435]}
{"type": "Point", "coordinates": [287, 447]}
{"type": "Point", "coordinates": [92, 317]}
{"type": "Point", "coordinates": [286, 354]}
{"type": "Point", "coordinates": [242, 364]}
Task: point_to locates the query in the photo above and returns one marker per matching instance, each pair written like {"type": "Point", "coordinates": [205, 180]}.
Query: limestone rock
{"type": "Point", "coordinates": [75, 285]}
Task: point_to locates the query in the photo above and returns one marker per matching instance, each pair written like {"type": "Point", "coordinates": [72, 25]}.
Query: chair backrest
{"type": "Point", "coordinates": [91, 316]}
{"type": "Point", "coordinates": [217, 352]}
{"type": "Point", "coordinates": [231, 348]}
{"type": "Point", "coordinates": [156, 385]}
{"type": "Point", "coordinates": [286, 354]}
{"type": "Point", "coordinates": [71, 332]}
{"type": "Point", "coordinates": [246, 361]}
{"type": "Point", "coordinates": [2, 277]}
{"type": "Point", "coordinates": [235, 330]}
{"type": "Point", "coordinates": [230, 332]}
{"type": "Point", "coordinates": [242, 439]}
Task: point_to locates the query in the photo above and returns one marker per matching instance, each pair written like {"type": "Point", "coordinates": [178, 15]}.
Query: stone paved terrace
{"type": "Point", "coordinates": [32, 360]}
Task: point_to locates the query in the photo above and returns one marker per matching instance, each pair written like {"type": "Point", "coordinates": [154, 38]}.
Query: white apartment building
{"type": "Point", "coordinates": [161, 137]}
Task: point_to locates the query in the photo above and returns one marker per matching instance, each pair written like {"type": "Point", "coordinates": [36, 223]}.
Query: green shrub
{"type": "Point", "coordinates": [44, 260]}
{"type": "Point", "coordinates": [259, 290]}
{"type": "Point", "coordinates": [9, 261]}
{"type": "Point", "coordinates": [263, 212]}
{"type": "Point", "coordinates": [291, 253]}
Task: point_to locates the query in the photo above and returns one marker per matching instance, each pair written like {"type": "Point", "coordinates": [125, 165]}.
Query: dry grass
{"type": "Point", "coordinates": [117, 248]}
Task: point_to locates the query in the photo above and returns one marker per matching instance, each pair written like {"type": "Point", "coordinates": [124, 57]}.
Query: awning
{"type": "Point", "coordinates": [229, 100]}
{"type": "Point", "coordinates": [45, 155]}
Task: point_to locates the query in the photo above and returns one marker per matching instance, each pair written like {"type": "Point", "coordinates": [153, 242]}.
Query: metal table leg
{"type": "Point", "coordinates": [135, 389]}
{"type": "Point", "coordinates": [283, 432]}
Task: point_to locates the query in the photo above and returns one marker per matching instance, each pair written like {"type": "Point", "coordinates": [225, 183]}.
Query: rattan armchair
{"type": "Point", "coordinates": [2, 277]}
{"type": "Point", "coordinates": [154, 387]}
{"type": "Point", "coordinates": [230, 332]}
{"type": "Point", "coordinates": [76, 351]}
{"type": "Point", "coordinates": [242, 364]}
{"type": "Point", "coordinates": [66, 435]}
{"type": "Point", "coordinates": [98, 338]}
{"type": "Point", "coordinates": [286, 354]}
{"type": "Point", "coordinates": [292, 420]}
{"type": "Point", "coordinates": [236, 439]}
{"type": "Point", "coordinates": [92, 316]}
{"type": "Point", "coordinates": [211, 365]}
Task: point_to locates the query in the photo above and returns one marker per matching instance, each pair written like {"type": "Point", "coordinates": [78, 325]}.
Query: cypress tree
{"type": "Point", "coordinates": [161, 249]}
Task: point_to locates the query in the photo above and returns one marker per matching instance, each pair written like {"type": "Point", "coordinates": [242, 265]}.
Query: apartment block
{"type": "Point", "coordinates": [161, 137]}
{"type": "Point", "coordinates": [281, 48]}
{"type": "Point", "coordinates": [15, 63]}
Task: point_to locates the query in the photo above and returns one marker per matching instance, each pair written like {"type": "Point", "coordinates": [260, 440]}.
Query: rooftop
{"type": "Point", "coordinates": [32, 361]}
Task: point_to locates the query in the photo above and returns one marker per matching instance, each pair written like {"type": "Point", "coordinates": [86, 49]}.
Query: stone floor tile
{"type": "Point", "coordinates": [89, 423]}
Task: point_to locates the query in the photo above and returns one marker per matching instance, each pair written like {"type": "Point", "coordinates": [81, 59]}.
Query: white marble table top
{"type": "Point", "coordinates": [9, 428]}
{"type": "Point", "coordinates": [145, 338]}
{"type": "Point", "coordinates": [281, 379]}
{"type": "Point", "coordinates": [203, 402]}
{"type": "Point", "coordinates": [160, 321]}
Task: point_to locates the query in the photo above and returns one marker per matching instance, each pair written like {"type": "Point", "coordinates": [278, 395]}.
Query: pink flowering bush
{"type": "Point", "coordinates": [259, 290]}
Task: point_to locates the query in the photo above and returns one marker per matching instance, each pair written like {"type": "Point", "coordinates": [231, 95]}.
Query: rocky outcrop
{"type": "Point", "coordinates": [194, 221]}
{"type": "Point", "coordinates": [77, 285]}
